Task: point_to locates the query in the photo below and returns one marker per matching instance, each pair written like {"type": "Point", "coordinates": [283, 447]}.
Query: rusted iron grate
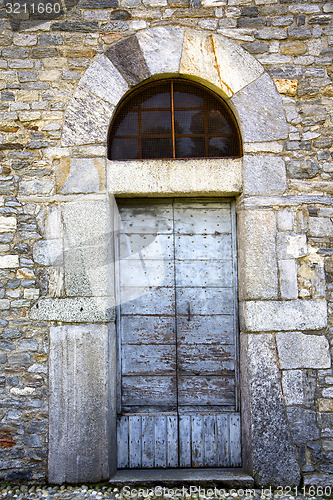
{"type": "Point", "coordinates": [173, 119]}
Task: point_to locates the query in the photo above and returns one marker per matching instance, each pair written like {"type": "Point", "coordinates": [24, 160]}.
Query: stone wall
{"type": "Point", "coordinates": [285, 211]}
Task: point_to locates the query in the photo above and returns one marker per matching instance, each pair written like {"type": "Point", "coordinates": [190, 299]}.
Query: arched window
{"type": "Point", "coordinates": [173, 119]}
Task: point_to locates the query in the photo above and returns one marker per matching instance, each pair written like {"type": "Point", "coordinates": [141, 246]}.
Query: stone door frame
{"type": "Point", "coordinates": [82, 401]}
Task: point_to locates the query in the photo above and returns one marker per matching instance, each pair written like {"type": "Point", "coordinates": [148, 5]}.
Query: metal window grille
{"type": "Point", "coordinates": [173, 119]}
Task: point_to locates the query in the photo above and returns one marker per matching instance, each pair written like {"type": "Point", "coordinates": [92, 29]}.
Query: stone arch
{"type": "Point", "coordinates": [211, 58]}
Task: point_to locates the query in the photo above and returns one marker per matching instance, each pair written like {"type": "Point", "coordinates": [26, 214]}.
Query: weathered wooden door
{"type": "Point", "coordinates": [177, 330]}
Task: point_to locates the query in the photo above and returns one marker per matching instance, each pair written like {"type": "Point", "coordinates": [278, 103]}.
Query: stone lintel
{"type": "Point", "coordinates": [175, 177]}
{"type": "Point", "coordinates": [74, 310]}
{"type": "Point", "coordinates": [289, 315]}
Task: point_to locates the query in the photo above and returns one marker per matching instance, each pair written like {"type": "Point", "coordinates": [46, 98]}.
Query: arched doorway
{"type": "Point", "coordinates": [224, 67]}
{"type": "Point", "coordinates": [178, 373]}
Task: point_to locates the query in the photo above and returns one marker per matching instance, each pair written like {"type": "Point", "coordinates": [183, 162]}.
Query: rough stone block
{"type": "Point", "coordinates": [297, 350]}
{"type": "Point", "coordinates": [292, 384]}
{"type": "Point", "coordinates": [79, 408]}
{"type": "Point", "coordinates": [162, 48]}
{"type": "Point", "coordinates": [267, 440]}
{"type": "Point", "coordinates": [9, 261]}
{"type": "Point", "coordinates": [325, 405]}
{"type": "Point", "coordinates": [74, 310]}
{"type": "Point", "coordinates": [303, 424]}
{"type": "Point", "coordinates": [48, 252]}
{"type": "Point", "coordinates": [328, 392]}
{"type": "Point", "coordinates": [328, 7]}
{"type": "Point", "coordinates": [87, 120]}
{"type": "Point", "coordinates": [271, 34]}
{"type": "Point", "coordinates": [291, 246]}
{"type": "Point", "coordinates": [258, 276]}
{"type": "Point", "coordinates": [288, 279]}
{"type": "Point", "coordinates": [81, 26]}
{"type": "Point", "coordinates": [260, 111]}
{"type": "Point", "coordinates": [104, 80]}
{"type": "Point", "coordinates": [318, 479]}
{"type": "Point", "coordinates": [83, 176]}
{"type": "Point", "coordinates": [53, 224]}
{"type": "Point", "coordinates": [262, 147]}
{"type": "Point", "coordinates": [36, 186]}
{"type": "Point", "coordinates": [88, 240]}
{"type": "Point", "coordinates": [320, 227]}
{"type": "Point", "coordinates": [285, 220]}
{"type": "Point", "coordinates": [7, 224]}
{"type": "Point", "coordinates": [265, 316]}
{"type": "Point", "coordinates": [264, 174]}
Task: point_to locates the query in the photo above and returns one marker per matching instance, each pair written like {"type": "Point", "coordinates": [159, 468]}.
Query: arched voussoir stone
{"type": "Point", "coordinates": [260, 111]}
{"type": "Point", "coordinates": [87, 119]}
{"type": "Point", "coordinates": [210, 58]}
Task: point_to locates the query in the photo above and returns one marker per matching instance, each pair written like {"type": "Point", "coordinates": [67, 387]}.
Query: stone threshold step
{"type": "Point", "coordinates": [227, 478]}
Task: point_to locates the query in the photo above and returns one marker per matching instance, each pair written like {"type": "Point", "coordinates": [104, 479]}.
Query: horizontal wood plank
{"type": "Point", "coordinates": [203, 247]}
{"type": "Point", "coordinates": [205, 359]}
{"type": "Point", "coordinates": [209, 390]}
{"type": "Point", "coordinates": [205, 329]}
{"type": "Point", "coordinates": [152, 273]}
{"type": "Point", "coordinates": [146, 246]}
{"type": "Point", "coordinates": [204, 273]}
{"type": "Point", "coordinates": [205, 301]}
{"type": "Point", "coordinates": [148, 330]}
{"type": "Point", "coordinates": [149, 360]}
{"type": "Point", "coordinates": [153, 218]}
{"type": "Point", "coordinates": [149, 390]}
{"type": "Point", "coordinates": [148, 301]}
{"type": "Point", "coordinates": [190, 220]}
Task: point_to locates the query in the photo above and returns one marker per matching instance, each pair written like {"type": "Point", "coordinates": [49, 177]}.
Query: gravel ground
{"type": "Point", "coordinates": [190, 493]}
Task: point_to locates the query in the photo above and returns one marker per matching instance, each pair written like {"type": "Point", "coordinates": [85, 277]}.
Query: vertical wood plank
{"type": "Point", "coordinates": [122, 442]}
{"type": "Point", "coordinates": [197, 444]}
{"type": "Point", "coordinates": [172, 441]}
{"type": "Point", "coordinates": [160, 441]}
{"type": "Point", "coordinates": [148, 441]}
{"type": "Point", "coordinates": [222, 422]}
{"type": "Point", "coordinates": [235, 441]}
{"type": "Point", "coordinates": [211, 437]}
{"type": "Point", "coordinates": [134, 425]}
{"type": "Point", "coordinates": [184, 441]}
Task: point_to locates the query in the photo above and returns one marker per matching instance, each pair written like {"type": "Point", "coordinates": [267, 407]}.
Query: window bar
{"type": "Point", "coordinates": [139, 130]}
{"type": "Point", "coordinates": [205, 112]}
{"type": "Point", "coordinates": [173, 123]}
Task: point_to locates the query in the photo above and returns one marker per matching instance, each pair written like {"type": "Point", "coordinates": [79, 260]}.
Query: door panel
{"type": "Point", "coordinates": [203, 247]}
{"type": "Point", "coordinates": [203, 273]}
{"type": "Point", "coordinates": [206, 301]}
{"type": "Point", "coordinates": [177, 335]}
